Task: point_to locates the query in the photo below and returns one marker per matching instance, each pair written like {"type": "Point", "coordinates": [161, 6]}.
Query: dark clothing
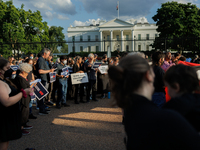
{"type": "Point", "coordinates": [42, 64]}
{"type": "Point", "coordinates": [188, 105]}
{"type": "Point", "coordinates": [91, 72]}
{"type": "Point", "coordinates": [91, 85]}
{"type": "Point", "coordinates": [59, 68]}
{"type": "Point", "coordinates": [22, 83]}
{"type": "Point", "coordinates": [29, 77]}
{"type": "Point", "coordinates": [10, 125]}
{"type": "Point", "coordinates": [77, 68]}
{"type": "Point", "coordinates": [149, 127]}
{"type": "Point", "coordinates": [158, 81]}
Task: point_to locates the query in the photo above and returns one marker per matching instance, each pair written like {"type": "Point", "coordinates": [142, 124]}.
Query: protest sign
{"type": "Point", "coordinates": [70, 69]}
{"type": "Point", "coordinates": [65, 71]}
{"type": "Point", "coordinates": [78, 78]}
{"type": "Point", "coordinates": [96, 65]}
{"type": "Point", "coordinates": [35, 81]}
{"type": "Point", "coordinates": [52, 76]}
{"type": "Point", "coordinates": [14, 68]}
{"type": "Point", "coordinates": [40, 91]}
{"type": "Point", "coordinates": [103, 69]}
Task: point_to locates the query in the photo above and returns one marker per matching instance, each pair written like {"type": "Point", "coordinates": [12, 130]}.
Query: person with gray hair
{"type": "Point", "coordinates": [43, 72]}
{"type": "Point", "coordinates": [21, 82]}
{"type": "Point", "coordinates": [92, 77]}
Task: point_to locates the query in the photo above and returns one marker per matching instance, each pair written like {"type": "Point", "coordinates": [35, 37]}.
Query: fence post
{"type": "Point", "coordinates": [104, 45]}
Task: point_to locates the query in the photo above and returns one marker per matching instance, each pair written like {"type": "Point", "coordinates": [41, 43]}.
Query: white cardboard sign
{"type": "Point", "coordinates": [78, 78]}
{"type": "Point", "coordinates": [103, 69]}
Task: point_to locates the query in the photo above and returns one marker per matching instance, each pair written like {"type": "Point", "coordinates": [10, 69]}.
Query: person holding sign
{"type": "Point", "coordinates": [10, 126]}
{"type": "Point", "coordinates": [62, 77]}
{"type": "Point", "coordinates": [43, 72]}
{"type": "Point", "coordinates": [92, 76]}
{"type": "Point", "coordinates": [77, 69]}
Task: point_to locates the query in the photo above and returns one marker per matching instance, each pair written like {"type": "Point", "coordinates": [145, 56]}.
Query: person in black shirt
{"type": "Point", "coordinates": [92, 77]}
{"type": "Point", "coordinates": [62, 83]}
{"type": "Point", "coordinates": [159, 93]}
{"type": "Point", "coordinates": [182, 82]}
{"type": "Point", "coordinates": [146, 125]}
{"type": "Point", "coordinates": [43, 73]}
{"type": "Point", "coordinates": [77, 69]}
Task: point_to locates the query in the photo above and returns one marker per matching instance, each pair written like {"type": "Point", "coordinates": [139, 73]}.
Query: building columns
{"type": "Point", "coordinates": [122, 41]}
{"type": "Point", "coordinates": [111, 38]}
{"type": "Point", "coordinates": [101, 42]}
{"type": "Point", "coordinates": [132, 43]}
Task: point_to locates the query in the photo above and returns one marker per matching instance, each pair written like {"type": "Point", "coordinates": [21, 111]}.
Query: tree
{"type": "Point", "coordinates": [178, 25]}
{"type": "Point", "coordinates": [55, 36]}
{"type": "Point", "coordinates": [64, 48]}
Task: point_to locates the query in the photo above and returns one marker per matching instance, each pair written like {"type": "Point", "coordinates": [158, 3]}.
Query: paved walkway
{"type": "Point", "coordinates": [89, 126]}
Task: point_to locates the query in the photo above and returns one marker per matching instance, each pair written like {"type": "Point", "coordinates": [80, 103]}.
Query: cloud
{"type": "Point", "coordinates": [127, 8]}
{"type": "Point", "coordinates": [86, 23]}
{"type": "Point", "coordinates": [51, 8]}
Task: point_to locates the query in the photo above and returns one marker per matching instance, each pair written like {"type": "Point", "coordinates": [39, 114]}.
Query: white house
{"type": "Point", "coordinates": [113, 35]}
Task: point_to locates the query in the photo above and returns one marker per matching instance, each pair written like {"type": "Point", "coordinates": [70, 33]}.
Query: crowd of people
{"type": "Point", "coordinates": [138, 85]}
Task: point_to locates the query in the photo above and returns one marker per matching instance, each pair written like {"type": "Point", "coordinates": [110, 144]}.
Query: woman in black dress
{"type": "Point", "coordinates": [10, 126]}
{"type": "Point", "coordinates": [146, 125]}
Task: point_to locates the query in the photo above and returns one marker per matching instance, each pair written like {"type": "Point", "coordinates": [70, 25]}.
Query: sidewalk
{"type": "Point", "coordinates": [88, 126]}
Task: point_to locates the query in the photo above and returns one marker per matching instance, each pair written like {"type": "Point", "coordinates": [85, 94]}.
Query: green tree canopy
{"type": "Point", "coordinates": [178, 22]}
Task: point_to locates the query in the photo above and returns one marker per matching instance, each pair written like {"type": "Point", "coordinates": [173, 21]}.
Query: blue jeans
{"type": "Point", "coordinates": [159, 99]}
{"type": "Point", "coordinates": [62, 91]}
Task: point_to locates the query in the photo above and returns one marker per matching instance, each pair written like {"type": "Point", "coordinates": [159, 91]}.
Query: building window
{"type": "Point", "coordinates": [89, 48]}
{"type": "Point", "coordinates": [73, 38]}
{"type": "Point", "coordinates": [147, 47]}
{"type": "Point", "coordinates": [81, 38]}
{"type": "Point", "coordinates": [96, 38]}
{"type": "Point", "coordinates": [97, 48]}
{"type": "Point", "coordinates": [139, 47]}
{"type": "Point", "coordinates": [156, 35]}
{"type": "Point", "coordinates": [108, 37]}
{"type": "Point", "coordinates": [139, 36]}
{"type": "Point", "coordinates": [127, 37]}
{"type": "Point", "coordinates": [81, 48]}
{"type": "Point", "coordinates": [88, 37]}
{"type": "Point", "coordinates": [147, 36]}
{"type": "Point", "coordinates": [127, 48]}
{"type": "Point", "coordinates": [117, 37]}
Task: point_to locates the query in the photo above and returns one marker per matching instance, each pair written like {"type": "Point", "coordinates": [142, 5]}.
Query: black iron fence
{"type": "Point", "coordinates": [19, 49]}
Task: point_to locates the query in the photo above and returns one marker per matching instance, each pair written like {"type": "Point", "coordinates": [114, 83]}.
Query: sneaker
{"type": "Point", "coordinates": [26, 127]}
{"type": "Point", "coordinates": [43, 113]}
{"type": "Point", "coordinates": [24, 132]}
{"type": "Point", "coordinates": [66, 105]}
{"type": "Point", "coordinates": [50, 103]}
{"type": "Point", "coordinates": [31, 116]}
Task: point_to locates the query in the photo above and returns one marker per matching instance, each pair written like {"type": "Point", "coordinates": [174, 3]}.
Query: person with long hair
{"type": "Point", "coordinates": [10, 126]}
{"type": "Point", "coordinates": [77, 69]}
{"type": "Point", "coordinates": [182, 82]}
{"type": "Point", "coordinates": [146, 125]}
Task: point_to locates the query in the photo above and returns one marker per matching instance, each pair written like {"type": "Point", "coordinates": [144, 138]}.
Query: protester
{"type": "Point", "coordinates": [159, 92]}
{"type": "Point", "coordinates": [147, 126]}
{"type": "Point", "coordinates": [167, 62]}
{"type": "Point", "coordinates": [182, 82]}
{"type": "Point", "coordinates": [77, 69]}
{"type": "Point", "coordinates": [43, 73]}
{"type": "Point", "coordinates": [62, 83]}
{"type": "Point", "coordinates": [21, 82]}
{"type": "Point", "coordinates": [92, 77]}
{"type": "Point", "coordinates": [10, 126]}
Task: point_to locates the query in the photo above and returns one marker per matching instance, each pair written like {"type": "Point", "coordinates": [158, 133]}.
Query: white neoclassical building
{"type": "Point", "coordinates": [113, 35]}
